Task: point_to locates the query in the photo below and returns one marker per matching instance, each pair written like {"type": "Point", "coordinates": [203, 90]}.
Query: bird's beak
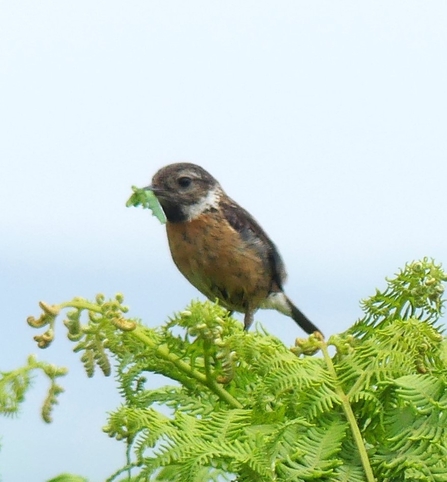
{"type": "Point", "coordinates": [155, 190]}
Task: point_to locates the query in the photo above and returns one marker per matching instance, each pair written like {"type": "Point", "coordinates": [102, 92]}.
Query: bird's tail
{"type": "Point", "coordinates": [278, 300]}
{"type": "Point", "coordinates": [302, 320]}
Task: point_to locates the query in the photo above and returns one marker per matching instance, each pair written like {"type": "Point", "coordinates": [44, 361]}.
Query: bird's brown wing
{"type": "Point", "coordinates": [252, 233]}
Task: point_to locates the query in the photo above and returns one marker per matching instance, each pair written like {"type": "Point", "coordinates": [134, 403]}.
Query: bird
{"type": "Point", "coordinates": [219, 247]}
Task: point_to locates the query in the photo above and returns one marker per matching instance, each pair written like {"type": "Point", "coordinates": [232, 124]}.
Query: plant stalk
{"type": "Point", "coordinates": [349, 415]}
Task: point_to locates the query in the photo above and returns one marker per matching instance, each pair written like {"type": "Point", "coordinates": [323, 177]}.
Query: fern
{"type": "Point", "coordinates": [14, 384]}
{"type": "Point", "coordinates": [242, 406]}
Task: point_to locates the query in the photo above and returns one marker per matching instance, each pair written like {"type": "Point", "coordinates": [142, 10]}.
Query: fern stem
{"type": "Point", "coordinates": [349, 415]}
{"type": "Point", "coordinates": [164, 353]}
{"type": "Point", "coordinates": [357, 384]}
{"type": "Point", "coordinates": [80, 304]}
{"type": "Point", "coordinates": [206, 380]}
{"type": "Point", "coordinates": [120, 471]}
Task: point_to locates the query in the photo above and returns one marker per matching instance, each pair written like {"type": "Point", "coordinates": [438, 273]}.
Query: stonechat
{"type": "Point", "coordinates": [219, 247]}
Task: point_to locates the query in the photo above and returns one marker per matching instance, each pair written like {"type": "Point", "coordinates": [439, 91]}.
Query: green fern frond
{"type": "Point", "coordinates": [14, 385]}
{"type": "Point", "coordinates": [351, 470]}
{"type": "Point", "coordinates": [320, 446]}
{"type": "Point", "coordinates": [349, 473]}
{"type": "Point", "coordinates": [192, 472]}
{"type": "Point", "coordinates": [416, 429]}
{"type": "Point", "coordinates": [246, 404]}
{"type": "Point", "coordinates": [320, 400]}
{"type": "Point", "coordinates": [423, 392]}
{"type": "Point", "coordinates": [415, 292]}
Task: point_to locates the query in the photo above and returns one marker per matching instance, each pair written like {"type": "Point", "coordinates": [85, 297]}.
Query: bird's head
{"type": "Point", "coordinates": [185, 191]}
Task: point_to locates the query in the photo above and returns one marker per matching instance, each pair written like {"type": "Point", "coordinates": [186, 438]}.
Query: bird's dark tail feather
{"type": "Point", "coordinates": [302, 320]}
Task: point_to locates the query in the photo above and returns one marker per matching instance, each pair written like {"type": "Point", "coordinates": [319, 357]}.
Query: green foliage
{"type": "Point", "coordinates": [68, 478]}
{"type": "Point", "coordinates": [14, 385]}
{"type": "Point", "coordinates": [146, 198]}
{"type": "Point", "coordinates": [243, 406]}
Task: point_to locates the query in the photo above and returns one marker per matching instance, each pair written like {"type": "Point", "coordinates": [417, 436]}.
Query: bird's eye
{"type": "Point", "coordinates": [184, 181]}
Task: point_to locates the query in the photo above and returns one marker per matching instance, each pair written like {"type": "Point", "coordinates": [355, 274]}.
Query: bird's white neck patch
{"type": "Point", "coordinates": [211, 200]}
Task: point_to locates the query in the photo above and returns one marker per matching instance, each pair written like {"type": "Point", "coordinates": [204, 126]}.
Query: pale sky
{"type": "Point", "coordinates": [326, 120]}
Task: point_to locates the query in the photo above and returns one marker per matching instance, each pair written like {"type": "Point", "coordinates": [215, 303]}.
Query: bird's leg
{"type": "Point", "coordinates": [248, 319]}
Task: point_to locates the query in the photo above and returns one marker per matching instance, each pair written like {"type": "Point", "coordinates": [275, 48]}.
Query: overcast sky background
{"type": "Point", "coordinates": [326, 120]}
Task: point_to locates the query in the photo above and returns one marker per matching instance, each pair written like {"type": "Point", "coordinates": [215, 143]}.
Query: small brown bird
{"type": "Point", "coordinates": [219, 247]}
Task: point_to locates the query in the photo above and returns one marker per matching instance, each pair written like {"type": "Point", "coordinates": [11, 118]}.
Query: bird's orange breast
{"type": "Point", "coordinates": [216, 260]}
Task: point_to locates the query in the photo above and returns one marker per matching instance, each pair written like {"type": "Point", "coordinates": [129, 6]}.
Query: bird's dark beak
{"type": "Point", "coordinates": [156, 190]}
